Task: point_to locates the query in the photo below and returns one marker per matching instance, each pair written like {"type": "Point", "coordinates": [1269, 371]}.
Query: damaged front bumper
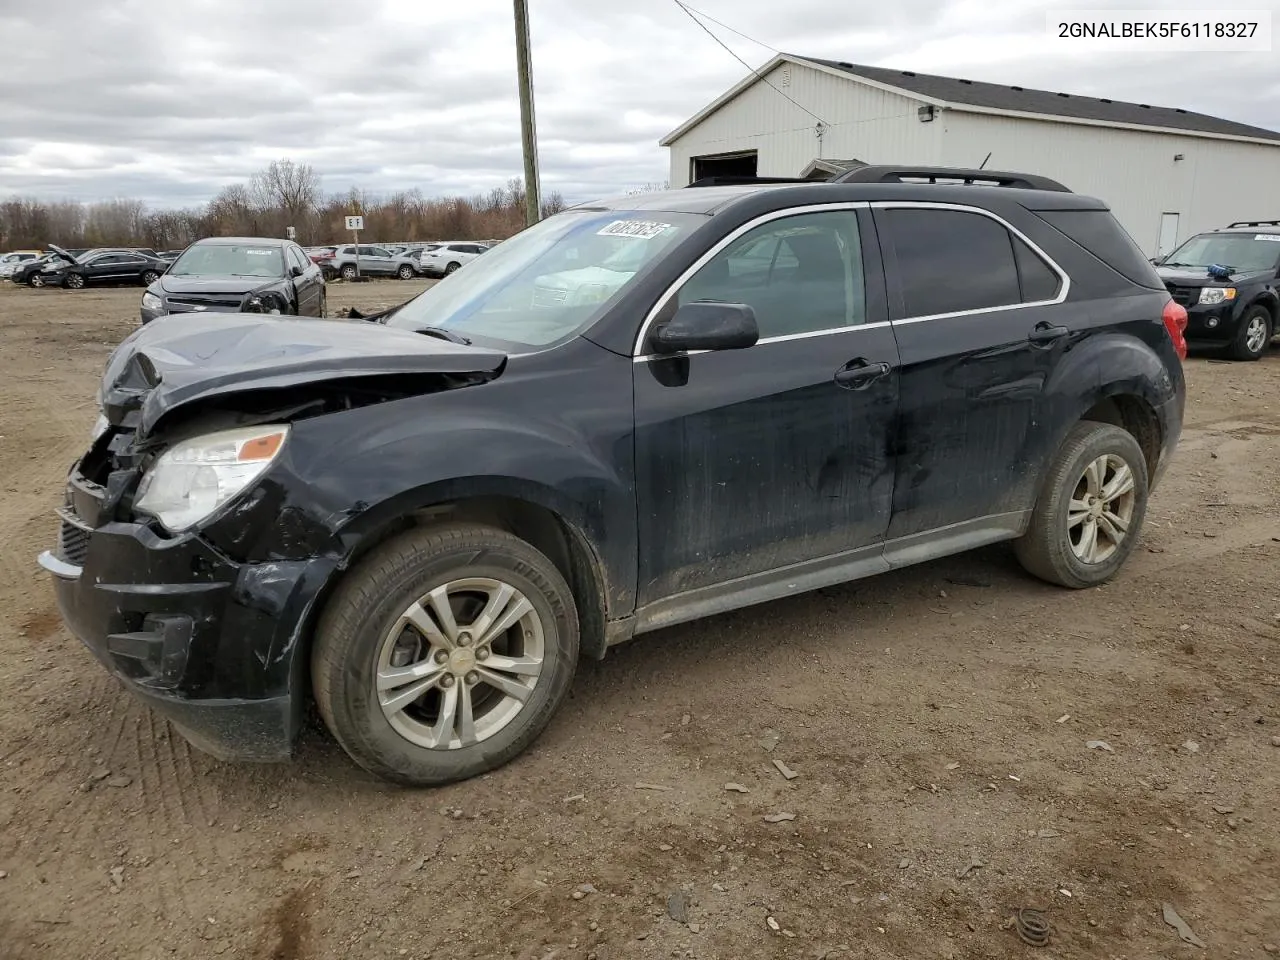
{"type": "Point", "coordinates": [207, 642]}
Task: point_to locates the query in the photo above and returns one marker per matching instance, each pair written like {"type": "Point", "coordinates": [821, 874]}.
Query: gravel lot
{"type": "Point", "coordinates": [937, 717]}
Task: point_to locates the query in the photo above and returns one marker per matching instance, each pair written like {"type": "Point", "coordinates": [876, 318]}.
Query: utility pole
{"type": "Point", "coordinates": [528, 128]}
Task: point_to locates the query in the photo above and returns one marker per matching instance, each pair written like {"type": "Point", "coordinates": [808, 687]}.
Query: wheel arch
{"type": "Point", "coordinates": [531, 514]}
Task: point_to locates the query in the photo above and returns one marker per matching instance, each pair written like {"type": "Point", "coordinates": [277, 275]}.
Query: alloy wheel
{"type": "Point", "coordinates": [460, 663]}
{"type": "Point", "coordinates": [1101, 509]}
{"type": "Point", "coordinates": [1255, 335]}
{"type": "Point", "coordinates": [75, 281]}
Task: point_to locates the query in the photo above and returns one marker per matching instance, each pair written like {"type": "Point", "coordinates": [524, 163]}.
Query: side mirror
{"type": "Point", "coordinates": [295, 271]}
{"type": "Point", "coordinates": [708, 325]}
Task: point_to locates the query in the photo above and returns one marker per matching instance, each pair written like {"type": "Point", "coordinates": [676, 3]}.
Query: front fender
{"type": "Point", "coordinates": [528, 436]}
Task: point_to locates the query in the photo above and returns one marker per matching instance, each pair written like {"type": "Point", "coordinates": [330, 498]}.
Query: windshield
{"type": "Point", "coordinates": [1244, 252]}
{"type": "Point", "coordinates": [544, 284]}
{"type": "Point", "coordinates": [229, 260]}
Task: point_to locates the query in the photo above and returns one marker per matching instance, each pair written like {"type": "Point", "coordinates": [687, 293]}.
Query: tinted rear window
{"type": "Point", "coordinates": [1099, 233]}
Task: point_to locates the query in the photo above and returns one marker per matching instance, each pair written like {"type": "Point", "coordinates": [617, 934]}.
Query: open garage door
{"type": "Point", "coordinates": [740, 164]}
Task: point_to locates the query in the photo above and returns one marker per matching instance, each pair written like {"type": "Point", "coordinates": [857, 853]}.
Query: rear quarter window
{"type": "Point", "coordinates": [1099, 233]}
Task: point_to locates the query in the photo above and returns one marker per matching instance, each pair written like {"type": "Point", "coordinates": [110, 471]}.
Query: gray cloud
{"type": "Point", "coordinates": [169, 101]}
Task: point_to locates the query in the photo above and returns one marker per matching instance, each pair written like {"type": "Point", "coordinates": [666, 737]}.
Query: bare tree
{"type": "Point", "coordinates": [286, 194]}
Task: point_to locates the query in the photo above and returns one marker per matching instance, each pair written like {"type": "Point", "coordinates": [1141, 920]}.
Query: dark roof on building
{"type": "Point", "coordinates": [1024, 100]}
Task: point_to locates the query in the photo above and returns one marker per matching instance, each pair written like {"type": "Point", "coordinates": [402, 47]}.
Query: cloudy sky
{"type": "Point", "coordinates": [169, 100]}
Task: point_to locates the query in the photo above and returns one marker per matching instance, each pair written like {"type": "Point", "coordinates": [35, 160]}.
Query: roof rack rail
{"type": "Point", "coordinates": [881, 173]}
{"type": "Point", "coordinates": [740, 181]}
{"type": "Point", "coordinates": [1254, 223]}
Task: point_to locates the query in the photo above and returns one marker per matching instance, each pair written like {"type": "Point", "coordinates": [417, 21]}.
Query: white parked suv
{"type": "Point", "coordinates": [438, 260]}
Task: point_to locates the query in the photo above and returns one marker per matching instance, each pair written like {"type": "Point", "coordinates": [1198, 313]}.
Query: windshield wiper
{"type": "Point", "coordinates": [1177, 264]}
{"type": "Point", "coordinates": [443, 334]}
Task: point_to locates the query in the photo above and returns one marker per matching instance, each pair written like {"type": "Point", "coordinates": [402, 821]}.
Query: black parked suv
{"type": "Point", "coordinates": [1227, 280]}
{"type": "Point", "coordinates": [637, 413]}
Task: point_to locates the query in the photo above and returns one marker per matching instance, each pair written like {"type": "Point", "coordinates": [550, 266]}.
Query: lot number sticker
{"type": "Point", "coordinates": [1267, 236]}
{"type": "Point", "coordinates": [638, 229]}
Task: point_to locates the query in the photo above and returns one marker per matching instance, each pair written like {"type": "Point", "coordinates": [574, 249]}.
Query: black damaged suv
{"type": "Point", "coordinates": [636, 413]}
{"type": "Point", "coordinates": [1227, 281]}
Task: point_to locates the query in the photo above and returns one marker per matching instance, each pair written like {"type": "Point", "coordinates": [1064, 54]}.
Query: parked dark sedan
{"type": "Point", "coordinates": [105, 266]}
{"type": "Point", "coordinates": [238, 275]}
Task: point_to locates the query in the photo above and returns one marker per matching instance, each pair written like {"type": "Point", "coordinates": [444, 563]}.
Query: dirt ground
{"type": "Point", "coordinates": [937, 719]}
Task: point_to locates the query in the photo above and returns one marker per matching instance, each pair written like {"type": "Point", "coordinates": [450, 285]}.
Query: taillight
{"type": "Point", "coordinates": [1175, 321]}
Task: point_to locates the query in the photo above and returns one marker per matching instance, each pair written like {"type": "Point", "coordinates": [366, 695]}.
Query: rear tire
{"type": "Point", "coordinates": [451, 268]}
{"type": "Point", "coordinates": [1253, 337]}
{"type": "Point", "coordinates": [149, 277]}
{"type": "Point", "coordinates": [406, 272]}
{"type": "Point", "coordinates": [385, 662]}
{"type": "Point", "coordinates": [74, 281]}
{"type": "Point", "coordinates": [349, 272]}
{"type": "Point", "coordinates": [1085, 506]}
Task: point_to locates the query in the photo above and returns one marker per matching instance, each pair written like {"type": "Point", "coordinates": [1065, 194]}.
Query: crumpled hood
{"type": "Point", "coordinates": [238, 286]}
{"type": "Point", "coordinates": [175, 360]}
{"type": "Point", "coordinates": [1199, 276]}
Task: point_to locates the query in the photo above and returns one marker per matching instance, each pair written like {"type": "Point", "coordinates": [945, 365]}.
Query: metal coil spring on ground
{"type": "Point", "coordinates": [1032, 927]}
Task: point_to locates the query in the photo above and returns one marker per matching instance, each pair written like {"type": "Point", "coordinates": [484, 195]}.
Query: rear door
{"type": "Point", "coordinates": [751, 461]}
{"type": "Point", "coordinates": [980, 325]}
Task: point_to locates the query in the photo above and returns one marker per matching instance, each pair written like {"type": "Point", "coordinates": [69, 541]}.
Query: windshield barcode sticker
{"type": "Point", "coordinates": [639, 229]}
{"type": "Point", "coordinates": [258, 253]}
{"type": "Point", "coordinates": [1267, 236]}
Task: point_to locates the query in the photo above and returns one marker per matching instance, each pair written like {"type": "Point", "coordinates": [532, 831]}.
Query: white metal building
{"type": "Point", "coordinates": [1167, 173]}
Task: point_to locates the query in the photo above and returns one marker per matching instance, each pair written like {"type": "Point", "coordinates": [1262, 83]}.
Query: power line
{"type": "Point", "coordinates": [718, 23]}
{"type": "Point", "coordinates": [758, 75]}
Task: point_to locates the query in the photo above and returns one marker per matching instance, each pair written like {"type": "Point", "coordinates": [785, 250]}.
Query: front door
{"type": "Point", "coordinates": [752, 460]}
{"type": "Point", "coordinates": [980, 327]}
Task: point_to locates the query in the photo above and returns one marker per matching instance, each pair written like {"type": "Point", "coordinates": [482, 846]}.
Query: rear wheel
{"type": "Point", "coordinates": [349, 271]}
{"type": "Point", "coordinates": [149, 277]}
{"type": "Point", "coordinates": [74, 281]}
{"type": "Point", "coordinates": [1253, 336]}
{"type": "Point", "coordinates": [452, 268]}
{"type": "Point", "coordinates": [444, 654]}
{"type": "Point", "coordinates": [406, 272]}
{"type": "Point", "coordinates": [1090, 511]}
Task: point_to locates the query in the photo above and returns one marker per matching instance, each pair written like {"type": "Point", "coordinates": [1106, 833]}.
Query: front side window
{"type": "Point", "coordinates": [800, 274]}
{"type": "Point", "coordinates": [229, 260]}
{"type": "Point", "coordinates": [548, 282]}
{"type": "Point", "coordinates": [951, 261]}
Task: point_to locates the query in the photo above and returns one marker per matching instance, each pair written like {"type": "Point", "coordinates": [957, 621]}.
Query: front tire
{"type": "Point", "coordinates": [444, 654]}
{"type": "Point", "coordinates": [36, 281]}
{"type": "Point", "coordinates": [1090, 511]}
{"type": "Point", "coordinates": [149, 277]}
{"type": "Point", "coordinates": [1254, 335]}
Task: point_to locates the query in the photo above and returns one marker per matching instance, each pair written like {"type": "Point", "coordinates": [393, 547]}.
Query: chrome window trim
{"type": "Point", "coordinates": [680, 281]}
{"type": "Point", "coordinates": [1064, 286]}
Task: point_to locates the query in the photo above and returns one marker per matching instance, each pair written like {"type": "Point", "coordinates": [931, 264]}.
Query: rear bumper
{"type": "Point", "coordinates": [210, 644]}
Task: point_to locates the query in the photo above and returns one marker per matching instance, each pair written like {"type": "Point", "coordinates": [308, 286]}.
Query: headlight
{"type": "Point", "coordinates": [151, 302]}
{"type": "Point", "coordinates": [195, 477]}
{"type": "Point", "coordinates": [1211, 295]}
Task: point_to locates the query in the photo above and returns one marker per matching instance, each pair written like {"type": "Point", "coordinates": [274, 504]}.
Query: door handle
{"type": "Point", "coordinates": [860, 374]}
{"type": "Point", "coordinates": [1047, 333]}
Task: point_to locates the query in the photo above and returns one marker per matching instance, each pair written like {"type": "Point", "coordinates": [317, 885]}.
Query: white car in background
{"type": "Point", "coordinates": [439, 260]}
{"type": "Point", "coordinates": [10, 262]}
